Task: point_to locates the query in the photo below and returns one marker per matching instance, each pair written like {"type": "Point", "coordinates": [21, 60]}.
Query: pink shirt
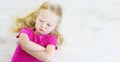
{"type": "Point", "coordinates": [43, 40]}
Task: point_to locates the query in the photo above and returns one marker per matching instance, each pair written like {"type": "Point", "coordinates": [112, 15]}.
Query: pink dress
{"type": "Point", "coordinates": [43, 40]}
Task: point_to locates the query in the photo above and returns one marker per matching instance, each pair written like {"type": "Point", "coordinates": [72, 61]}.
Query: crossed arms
{"type": "Point", "coordinates": [35, 49]}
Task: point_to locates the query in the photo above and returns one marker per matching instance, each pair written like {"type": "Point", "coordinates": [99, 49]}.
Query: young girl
{"type": "Point", "coordinates": [38, 34]}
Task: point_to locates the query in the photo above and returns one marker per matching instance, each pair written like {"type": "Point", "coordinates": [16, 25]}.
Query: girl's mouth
{"type": "Point", "coordinates": [41, 29]}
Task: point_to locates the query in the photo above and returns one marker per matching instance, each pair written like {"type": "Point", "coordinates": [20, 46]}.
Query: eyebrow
{"type": "Point", "coordinates": [41, 20]}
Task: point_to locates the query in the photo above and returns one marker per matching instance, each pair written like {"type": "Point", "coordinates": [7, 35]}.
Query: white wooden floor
{"type": "Point", "coordinates": [91, 29]}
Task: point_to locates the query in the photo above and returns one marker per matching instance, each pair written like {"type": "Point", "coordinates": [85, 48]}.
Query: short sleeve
{"type": "Point", "coordinates": [53, 41]}
{"type": "Point", "coordinates": [26, 31]}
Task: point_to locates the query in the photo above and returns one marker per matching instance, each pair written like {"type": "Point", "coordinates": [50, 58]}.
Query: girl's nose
{"type": "Point", "coordinates": [43, 25]}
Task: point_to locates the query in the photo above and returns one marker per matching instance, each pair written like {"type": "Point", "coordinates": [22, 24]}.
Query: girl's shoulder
{"type": "Point", "coordinates": [25, 30]}
{"type": "Point", "coordinates": [52, 40]}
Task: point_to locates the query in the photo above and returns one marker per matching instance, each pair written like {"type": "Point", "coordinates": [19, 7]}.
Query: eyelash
{"type": "Point", "coordinates": [48, 25]}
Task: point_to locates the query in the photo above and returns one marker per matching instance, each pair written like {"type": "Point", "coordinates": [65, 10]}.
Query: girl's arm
{"type": "Point", "coordinates": [29, 45]}
{"type": "Point", "coordinates": [44, 55]}
{"type": "Point", "coordinates": [41, 53]}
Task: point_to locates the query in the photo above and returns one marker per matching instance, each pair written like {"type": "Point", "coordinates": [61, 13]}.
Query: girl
{"type": "Point", "coordinates": [38, 34]}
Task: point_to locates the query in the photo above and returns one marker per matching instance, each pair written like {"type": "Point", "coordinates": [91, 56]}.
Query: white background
{"type": "Point", "coordinates": [91, 29]}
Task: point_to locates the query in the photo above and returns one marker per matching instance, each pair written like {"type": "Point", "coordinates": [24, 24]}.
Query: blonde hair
{"type": "Point", "coordinates": [28, 21]}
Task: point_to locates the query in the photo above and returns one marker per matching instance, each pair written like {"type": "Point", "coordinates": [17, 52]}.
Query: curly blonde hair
{"type": "Point", "coordinates": [28, 21]}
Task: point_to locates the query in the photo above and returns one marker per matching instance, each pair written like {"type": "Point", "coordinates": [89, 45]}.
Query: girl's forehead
{"type": "Point", "coordinates": [48, 15]}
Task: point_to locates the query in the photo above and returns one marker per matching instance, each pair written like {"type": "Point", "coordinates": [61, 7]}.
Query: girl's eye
{"type": "Point", "coordinates": [48, 25]}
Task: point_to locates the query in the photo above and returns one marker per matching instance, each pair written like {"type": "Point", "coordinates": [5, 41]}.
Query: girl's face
{"type": "Point", "coordinates": [45, 22]}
